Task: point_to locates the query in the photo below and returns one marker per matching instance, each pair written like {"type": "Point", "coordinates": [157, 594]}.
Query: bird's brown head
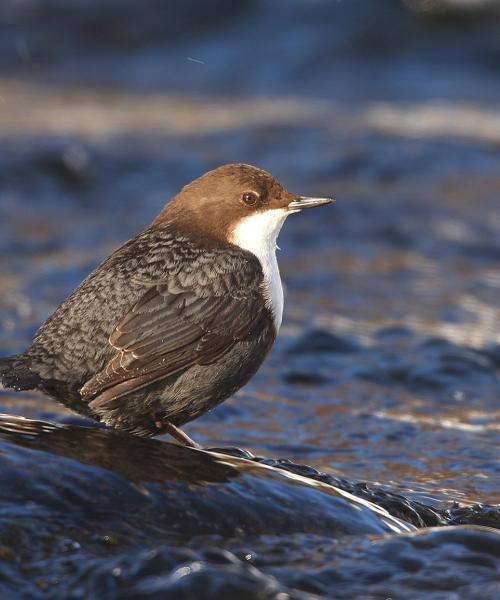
{"type": "Point", "coordinates": [233, 202]}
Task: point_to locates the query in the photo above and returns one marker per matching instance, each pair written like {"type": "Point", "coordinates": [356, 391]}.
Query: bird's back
{"type": "Point", "coordinates": [73, 344]}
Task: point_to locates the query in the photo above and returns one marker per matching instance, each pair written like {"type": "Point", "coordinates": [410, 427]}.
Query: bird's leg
{"type": "Point", "coordinates": [165, 426]}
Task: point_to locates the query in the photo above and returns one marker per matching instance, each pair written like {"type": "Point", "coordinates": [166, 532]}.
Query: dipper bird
{"type": "Point", "coordinates": [177, 319]}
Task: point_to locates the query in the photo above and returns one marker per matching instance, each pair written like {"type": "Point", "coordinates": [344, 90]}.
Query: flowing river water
{"type": "Point", "coordinates": [362, 460]}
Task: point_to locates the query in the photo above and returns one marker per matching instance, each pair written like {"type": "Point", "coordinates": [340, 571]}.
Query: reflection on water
{"type": "Point", "coordinates": [385, 378]}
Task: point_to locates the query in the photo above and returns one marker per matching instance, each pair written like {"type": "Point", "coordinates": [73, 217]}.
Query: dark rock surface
{"type": "Point", "coordinates": [94, 512]}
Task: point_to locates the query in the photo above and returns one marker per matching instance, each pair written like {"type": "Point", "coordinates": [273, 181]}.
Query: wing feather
{"type": "Point", "coordinates": [194, 319]}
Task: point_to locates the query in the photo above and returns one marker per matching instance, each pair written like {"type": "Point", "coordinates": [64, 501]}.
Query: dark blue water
{"type": "Point", "coordinates": [362, 459]}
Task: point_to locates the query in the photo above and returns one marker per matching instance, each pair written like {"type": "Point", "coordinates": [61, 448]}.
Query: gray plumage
{"type": "Point", "coordinates": [177, 319]}
{"type": "Point", "coordinates": [159, 309]}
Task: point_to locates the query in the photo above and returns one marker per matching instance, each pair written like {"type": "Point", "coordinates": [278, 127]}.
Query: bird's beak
{"type": "Point", "coordinates": [302, 202]}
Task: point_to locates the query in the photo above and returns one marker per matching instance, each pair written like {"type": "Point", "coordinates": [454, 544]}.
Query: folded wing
{"type": "Point", "coordinates": [173, 327]}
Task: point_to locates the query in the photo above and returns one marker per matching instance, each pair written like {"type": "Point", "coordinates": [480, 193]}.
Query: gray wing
{"type": "Point", "coordinates": [178, 323]}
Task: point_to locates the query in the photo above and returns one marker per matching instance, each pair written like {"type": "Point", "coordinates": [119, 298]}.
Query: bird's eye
{"type": "Point", "coordinates": [250, 198]}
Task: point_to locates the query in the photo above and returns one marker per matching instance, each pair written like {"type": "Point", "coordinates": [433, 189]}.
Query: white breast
{"type": "Point", "coordinates": [257, 234]}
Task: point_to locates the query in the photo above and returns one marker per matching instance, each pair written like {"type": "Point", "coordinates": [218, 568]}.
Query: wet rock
{"type": "Point", "coordinates": [488, 516]}
{"type": "Point", "coordinates": [122, 517]}
{"type": "Point", "coordinates": [237, 452]}
{"type": "Point", "coordinates": [113, 24]}
{"type": "Point", "coordinates": [433, 365]}
{"type": "Point", "coordinates": [492, 351]}
{"type": "Point", "coordinates": [229, 494]}
{"type": "Point", "coordinates": [400, 567]}
{"type": "Point", "coordinates": [203, 579]}
{"type": "Point", "coordinates": [454, 361]}
{"type": "Point", "coordinates": [416, 513]}
{"type": "Point", "coordinates": [102, 494]}
{"type": "Point", "coordinates": [304, 378]}
{"type": "Point", "coordinates": [321, 341]}
{"type": "Point", "coordinates": [68, 165]}
{"type": "Point", "coordinates": [455, 11]}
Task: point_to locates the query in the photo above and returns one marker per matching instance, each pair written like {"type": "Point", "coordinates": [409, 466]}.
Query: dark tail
{"type": "Point", "coordinates": [15, 373]}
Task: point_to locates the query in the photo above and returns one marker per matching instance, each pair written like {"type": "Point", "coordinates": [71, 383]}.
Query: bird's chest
{"type": "Point", "coordinates": [257, 234]}
{"type": "Point", "coordinates": [272, 288]}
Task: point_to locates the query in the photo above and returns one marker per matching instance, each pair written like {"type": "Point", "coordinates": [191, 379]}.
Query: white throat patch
{"type": "Point", "coordinates": [257, 234]}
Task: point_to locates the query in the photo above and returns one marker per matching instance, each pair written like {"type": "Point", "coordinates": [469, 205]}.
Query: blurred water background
{"type": "Point", "coordinates": [385, 378]}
